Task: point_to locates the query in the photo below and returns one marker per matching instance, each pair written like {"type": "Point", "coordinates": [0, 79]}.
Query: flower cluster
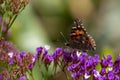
{"type": "Point", "coordinates": [9, 10]}
{"type": "Point", "coordinates": [86, 66]}
{"type": "Point", "coordinates": [82, 66]}
{"type": "Point", "coordinates": [48, 58]}
{"type": "Point", "coordinates": [12, 6]}
{"type": "Point", "coordinates": [13, 63]}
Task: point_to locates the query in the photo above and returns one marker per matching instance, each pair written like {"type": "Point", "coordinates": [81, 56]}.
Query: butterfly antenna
{"type": "Point", "coordinates": [64, 37]}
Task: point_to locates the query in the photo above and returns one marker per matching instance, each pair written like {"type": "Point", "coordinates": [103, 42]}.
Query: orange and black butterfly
{"type": "Point", "coordinates": [79, 38]}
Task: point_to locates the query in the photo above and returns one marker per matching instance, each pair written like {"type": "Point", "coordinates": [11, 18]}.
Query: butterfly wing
{"type": "Point", "coordinates": [80, 39]}
{"type": "Point", "coordinates": [77, 30]}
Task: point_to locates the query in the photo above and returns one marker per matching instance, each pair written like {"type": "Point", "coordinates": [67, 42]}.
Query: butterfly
{"type": "Point", "coordinates": [79, 38]}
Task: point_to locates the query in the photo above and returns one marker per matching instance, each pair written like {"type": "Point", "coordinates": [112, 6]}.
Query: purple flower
{"type": "Point", "coordinates": [103, 71]}
{"type": "Point", "coordinates": [89, 62]}
{"type": "Point", "coordinates": [118, 58]}
{"type": "Point", "coordinates": [73, 67]}
{"type": "Point", "coordinates": [76, 76]}
{"type": "Point", "coordinates": [8, 78]}
{"type": "Point", "coordinates": [116, 66]}
{"type": "Point", "coordinates": [33, 61]}
{"type": "Point", "coordinates": [39, 51]}
{"type": "Point", "coordinates": [48, 59]}
{"type": "Point", "coordinates": [96, 60]}
{"type": "Point", "coordinates": [99, 78]}
{"type": "Point", "coordinates": [11, 61]}
{"type": "Point", "coordinates": [31, 66]}
{"type": "Point", "coordinates": [58, 51]}
{"type": "Point", "coordinates": [82, 57]}
{"type": "Point", "coordinates": [96, 73]}
{"type": "Point", "coordinates": [110, 75]}
{"type": "Point", "coordinates": [117, 77]}
{"type": "Point", "coordinates": [22, 54]}
{"type": "Point", "coordinates": [57, 54]}
{"type": "Point", "coordinates": [34, 58]}
{"type": "Point", "coordinates": [109, 60]}
{"type": "Point", "coordinates": [22, 78]}
{"type": "Point", "coordinates": [1, 77]}
{"type": "Point", "coordinates": [45, 53]}
{"type": "Point", "coordinates": [104, 63]}
{"type": "Point", "coordinates": [75, 56]}
{"type": "Point", "coordinates": [67, 56]}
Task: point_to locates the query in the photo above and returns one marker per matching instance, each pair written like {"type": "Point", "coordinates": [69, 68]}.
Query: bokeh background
{"type": "Point", "coordinates": [42, 21]}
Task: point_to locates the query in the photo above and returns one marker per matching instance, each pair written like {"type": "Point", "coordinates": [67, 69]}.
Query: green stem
{"type": "Point", "coordinates": [30, 72]}
{"type": "Point", "coordinates": [11, 22]}
{"type": "Point", "coordinates": [32, 76]}
{"type": "Point", "coordinates": [12, 19]}
{"type": "Point", "coordinates": [1, 25]}
{"type": "Point", "coordinates": [0, 31]}
{"type": "Point", "coordinates": [39, 62]}
{"type": "Point", "coordinates": [63, 71]}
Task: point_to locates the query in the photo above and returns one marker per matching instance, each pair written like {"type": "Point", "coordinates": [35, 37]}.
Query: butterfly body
{"type": "Point", "coordinates": [79, 38]}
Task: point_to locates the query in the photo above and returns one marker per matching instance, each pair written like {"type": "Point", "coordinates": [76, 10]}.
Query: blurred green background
{"type": "Point", "coordinates": [42, 21]}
